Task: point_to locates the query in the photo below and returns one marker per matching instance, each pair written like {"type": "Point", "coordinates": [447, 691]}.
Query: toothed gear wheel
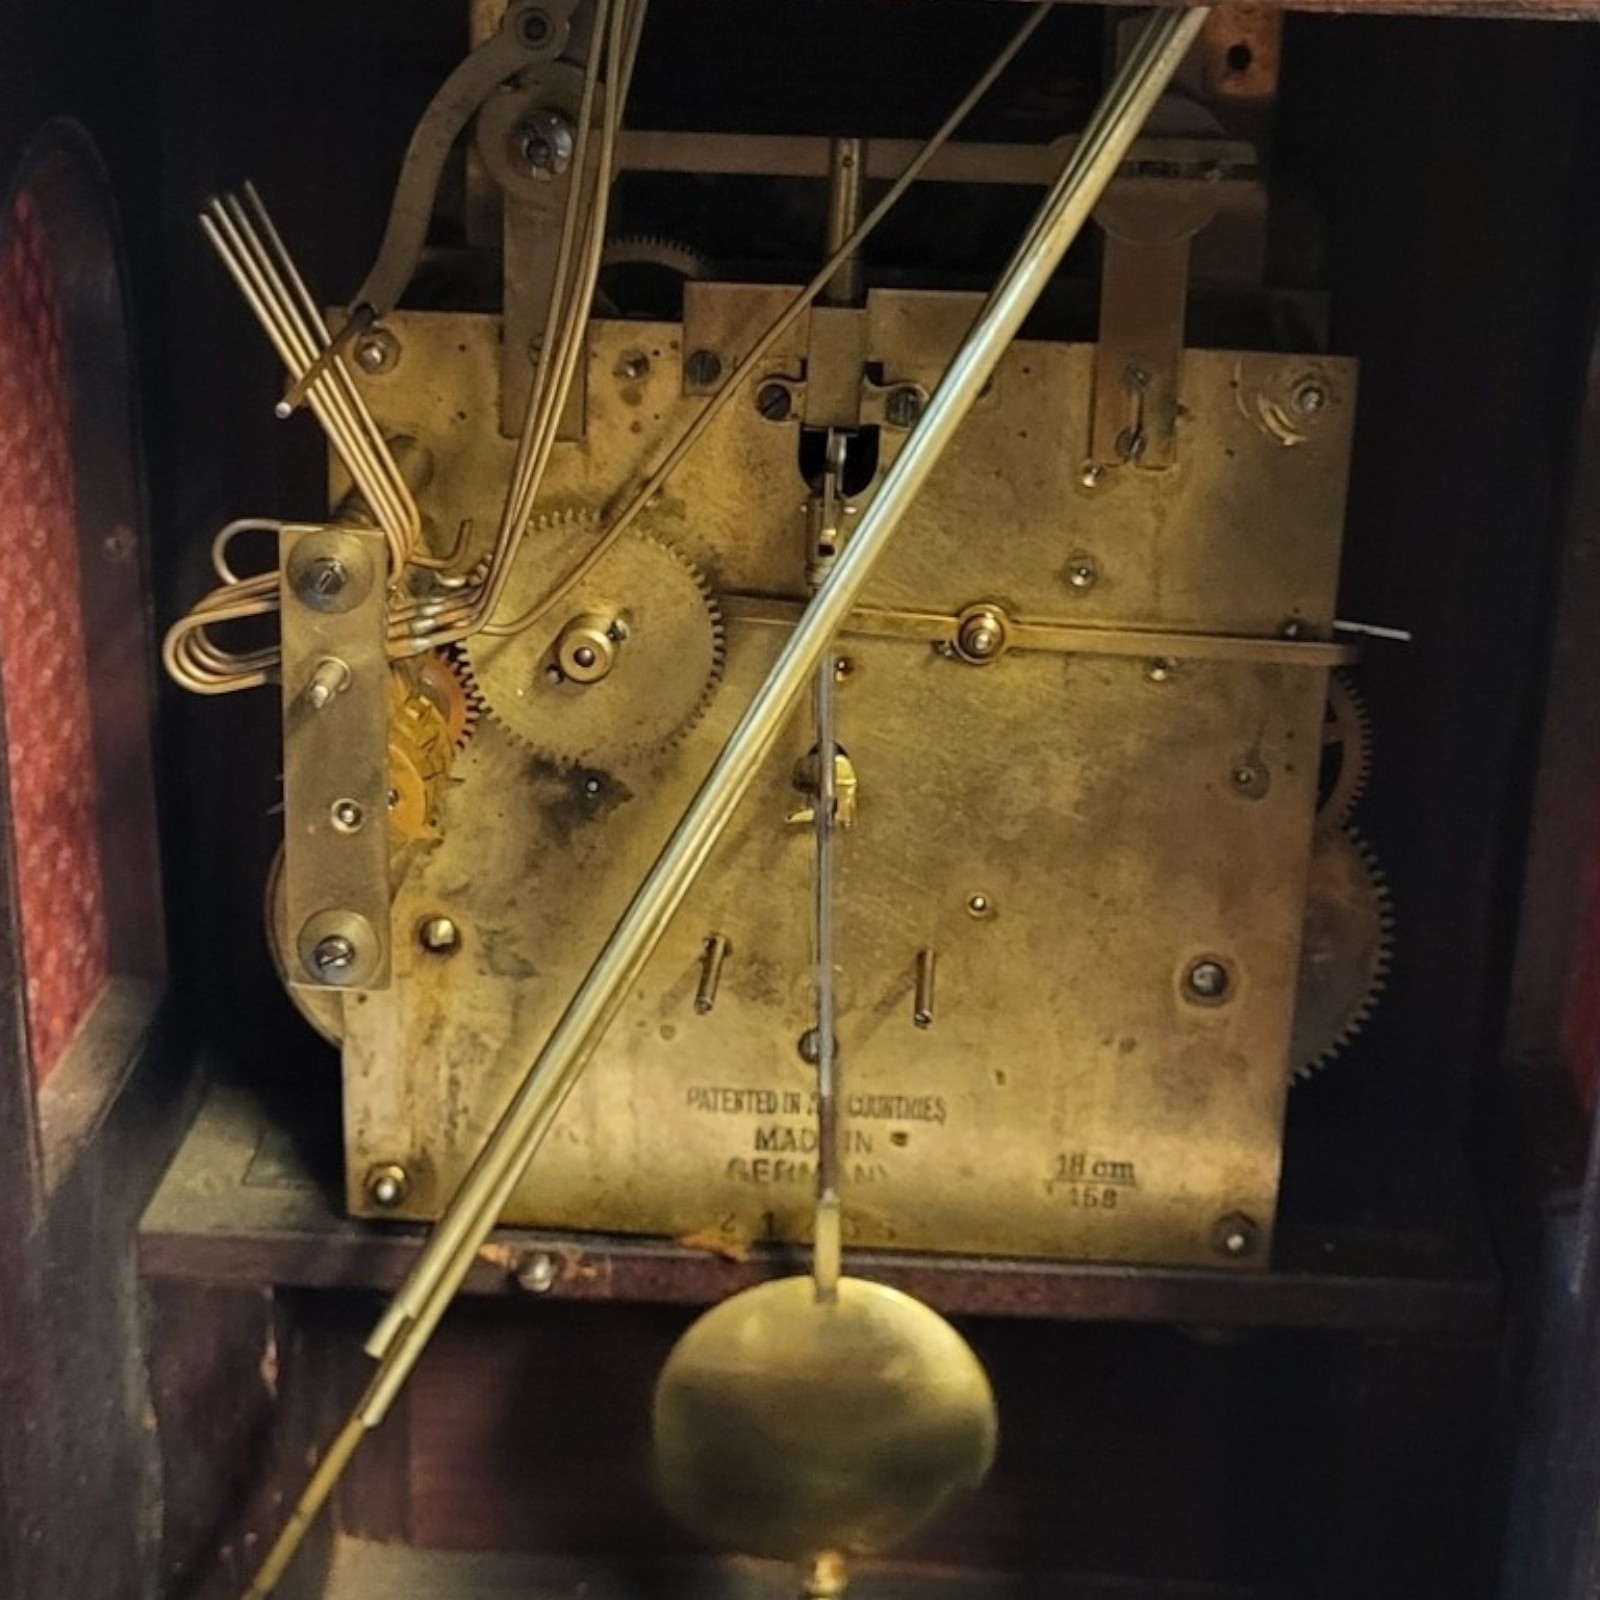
{"type": "Point", "coordinates": [1346, 753]}
{"type": "Point", "coordinates": [643, 627]}
{"type": "Point", "coordinates": [654, 250]}
{"type": "Point", "coordinates": [322, 1008]}
{"type": "Point", "coordinates": [643, 275]}
{"type": "Point", "coordinates": [465, 700]}
{"type": "Point", "coordinates": [1345, 949]}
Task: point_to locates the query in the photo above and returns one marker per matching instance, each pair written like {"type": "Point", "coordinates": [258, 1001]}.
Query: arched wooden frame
{"type": "Point", "coordinates": [59, 184]}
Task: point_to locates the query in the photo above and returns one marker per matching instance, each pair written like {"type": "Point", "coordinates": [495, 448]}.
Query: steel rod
{"type": "Point", "coordinates": [846, 166]}
{"type": "Point", "coordinates": [828, 1221]}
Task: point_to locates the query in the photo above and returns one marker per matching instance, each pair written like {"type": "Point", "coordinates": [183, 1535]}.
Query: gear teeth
{"type": "Point", "coordinates": [560, 517]}
{"type": "Point", "coordinates": [455, 658]}
{"type": "Point", "coordinates": [1350, 725]}
{"type": "Point", "coordinates": [655, 250]}
{"type": "Point", "coordinates": [719, 647]}
{"type": "Point", "coordinates": [1379, 909]}
{"type": "Point", "coordinates": [566, 759]}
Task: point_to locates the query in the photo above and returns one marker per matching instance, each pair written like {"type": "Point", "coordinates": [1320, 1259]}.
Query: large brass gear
{"type": "Point", "coordinates": [323, 1008]}
{"type": "Point", "coordinates": [623, 667]}
{"type": "Point", "coordinates": [1345, 949]}
{"type": "Point", "coordinates": [642, 275]}
{"type": "Point", "coordinates": [1346, 753]}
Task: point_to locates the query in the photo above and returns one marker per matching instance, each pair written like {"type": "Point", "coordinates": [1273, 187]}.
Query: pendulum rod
{"type": "Point", "coordinates": [827, 1237]}
{"type": "Point", "coordinates": [846, 182]}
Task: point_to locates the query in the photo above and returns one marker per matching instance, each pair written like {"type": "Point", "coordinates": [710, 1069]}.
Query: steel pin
{"type": "Point", "coordinates": [331, 677]}
{"type": "Point", "coordinates": [716, 952]}
{"type": "Point", "coordinates": [922, 1008]}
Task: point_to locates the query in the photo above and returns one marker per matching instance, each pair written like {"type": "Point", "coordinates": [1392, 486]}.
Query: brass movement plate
{"type": "Point", "coordinates": [1069, 832]}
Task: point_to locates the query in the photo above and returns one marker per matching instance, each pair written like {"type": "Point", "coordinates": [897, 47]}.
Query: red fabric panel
{"type": "Point", "coordinates": [44, 679]}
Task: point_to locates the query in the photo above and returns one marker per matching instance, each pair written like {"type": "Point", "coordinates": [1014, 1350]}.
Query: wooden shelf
{"type": "Point", "coordinates": [363, 1570]}
{"type": "Point", "coordinates": [241, 1204]}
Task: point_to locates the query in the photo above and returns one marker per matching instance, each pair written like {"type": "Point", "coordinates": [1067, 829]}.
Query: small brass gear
{"type": "Point", "coordinates": [1346, 753]}
{"type": "Point", "coordinates": [462, 700]}
{"type": "Point", "coordinates": [1345, 949]}
{"type": "Point", "coordinates": [622, 668]}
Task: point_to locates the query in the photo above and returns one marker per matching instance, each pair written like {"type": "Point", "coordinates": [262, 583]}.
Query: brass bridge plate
{"type": "Point", "coordinates": [1068, 831]}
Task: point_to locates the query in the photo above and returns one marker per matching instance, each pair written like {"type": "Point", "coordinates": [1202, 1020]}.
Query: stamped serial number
{"type": "Point", "coordinates": [1091, 1182]}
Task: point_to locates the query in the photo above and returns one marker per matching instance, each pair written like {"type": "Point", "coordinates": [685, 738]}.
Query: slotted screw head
{"type": "Point", "coordinates": [335, 953]}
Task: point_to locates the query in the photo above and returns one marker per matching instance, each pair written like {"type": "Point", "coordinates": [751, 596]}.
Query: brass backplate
{"type": "Point", "coordinates": [1070, 834]}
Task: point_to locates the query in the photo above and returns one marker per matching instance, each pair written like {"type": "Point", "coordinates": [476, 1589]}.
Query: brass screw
{"type": "Point", "coordinates": [333, 954]}
{"type": "Point", "coordinates": [1159, 669]}
{"type": "Point", "coordinates": [537, 1274]}
{"type": "Point", "coordinates": [378, 351]}
{"type": "Point", "coordinates": [347, 816]}
{"type": "Point", "coordinates": [635, 364]}
{"type": "Point", "coordinates": [1090, 474]}
{"type": "Point", "coordinates": [1309, 397]}
{"type": "Point", "coordinates": [534, 28]}
{"type": "Point", "coordinates": [324, 578]}
{"type": "Point", "coordinates": [774, 402]}
{"type": "Point", "coordinates": [1235, 1235]}
{"type": "Point", "coordinates": [1082, 572]}
{"type": "Point", "coordinates": [1207, 980]}
{"type": "Point", "coordinates": [387, 1184]}
{"type": "Point", "coordinates": [1250, 780]}
{"type": "Point", "coordinates": [703, 368]}
{"type": "Point", "coordinates": [902, 407]}
{"type": "Point", "coordinates": [546, 142]}
{"type": "Point", "coordinates": [810, 1046]}
{"type": "Point", "coordinates": [439, 935]}
{"type": "Point", "coordinates": [982, 636]}
{"type": "Point", "coordinates": [979, 905]}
